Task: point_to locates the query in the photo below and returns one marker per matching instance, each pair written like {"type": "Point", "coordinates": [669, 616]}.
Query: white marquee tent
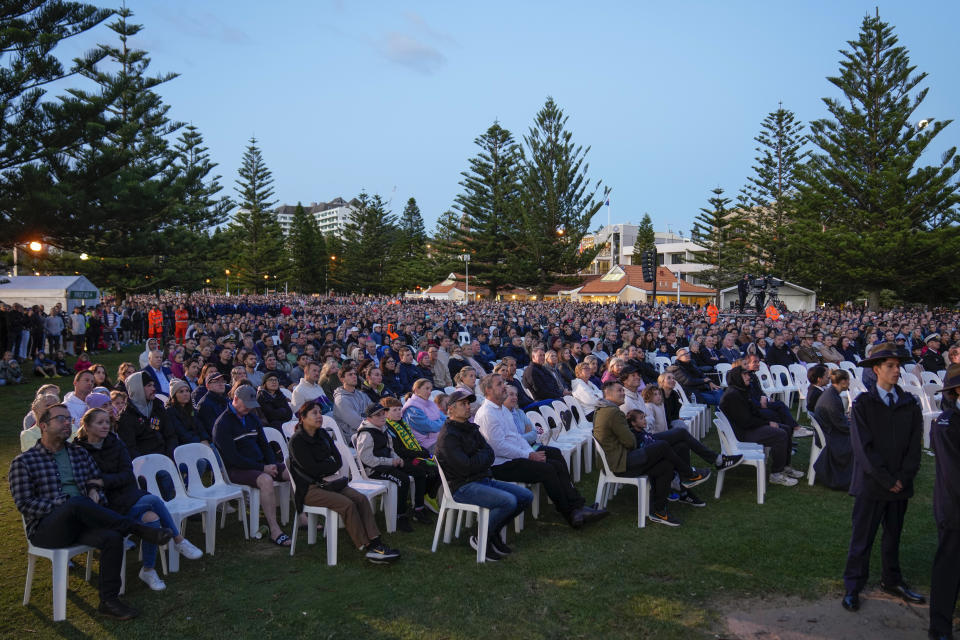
{"type": "Point", "coordinates": [69, 291]}
{"type": "Point", "coordinates": [795, 297]}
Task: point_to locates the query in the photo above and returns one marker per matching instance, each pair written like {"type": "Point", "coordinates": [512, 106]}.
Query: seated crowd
{"type": "Point", "coordinates": [433, 388]}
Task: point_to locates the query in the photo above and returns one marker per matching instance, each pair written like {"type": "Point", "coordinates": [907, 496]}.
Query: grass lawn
{"type": "Point", "coordinates": [610, 580]}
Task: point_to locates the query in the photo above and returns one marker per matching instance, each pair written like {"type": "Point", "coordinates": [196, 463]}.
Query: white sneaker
{"type": "Point", "coordinates": [781, 478]}
{"type": "Point", "coordinates": [152, 579]}
{"type": "Point", "coordinates": [802, 432]}
{"type": "Point", "coordinates": [187, 550]}
{"type": "Point", "coordinates": [793, 473]}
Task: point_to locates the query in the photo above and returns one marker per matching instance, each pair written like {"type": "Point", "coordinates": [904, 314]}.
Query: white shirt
{"type": "Point", "coordinates": [304, 392]}
{"type": "Point", "coordinates": [587, 393]}
{"type": "Point", "coordinates": [500, 431]}
{"type": "Point", "coordinates": [632, 400]}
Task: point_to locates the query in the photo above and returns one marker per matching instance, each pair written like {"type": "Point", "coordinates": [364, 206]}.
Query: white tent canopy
{"type": "Point", "coordinates": [795, 297]}
{"type": "Point", "coordinates": [68, 291]}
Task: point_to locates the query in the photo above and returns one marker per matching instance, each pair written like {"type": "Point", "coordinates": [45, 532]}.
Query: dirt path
{"type": "Point", "coordinates": [881, 617]}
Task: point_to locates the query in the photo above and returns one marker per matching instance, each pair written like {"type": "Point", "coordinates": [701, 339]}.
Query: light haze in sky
{"type": "Point", "coordinates": [388, 97]}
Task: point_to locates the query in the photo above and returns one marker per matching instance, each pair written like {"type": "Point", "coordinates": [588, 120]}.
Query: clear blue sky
{"type": "Point", "coordinates": [389, 96]}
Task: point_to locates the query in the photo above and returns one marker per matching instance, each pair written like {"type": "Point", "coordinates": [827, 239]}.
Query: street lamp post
{"type": "Point", "coordinates": [266, 284]}
{"type": "Point", "coordinates": [227, 271]}
{"type": "Point", "coordinates": [33, 246]}
{"type": "Point", "coordinates": [466, 261]}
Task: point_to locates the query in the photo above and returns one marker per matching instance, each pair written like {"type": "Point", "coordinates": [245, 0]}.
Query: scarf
{"type": "Point", "coordinates": [406, 436]}
{"type": "Point", "coordinates": [430, 408]}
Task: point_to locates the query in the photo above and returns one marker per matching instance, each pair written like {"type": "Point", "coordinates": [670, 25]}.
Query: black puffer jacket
{"type": "Point", "coordinates": [119, 483]}
{"type": "Point", "coordinates": [276, 409]}
{"type": "Point", "coordinates": [735, 404]}
{"type": "Point", "coordinates": [312, 458]}
{"type": "Point", "coordinates": [187, 425]}
{"type": "Point", "coordinates": [463, 453]}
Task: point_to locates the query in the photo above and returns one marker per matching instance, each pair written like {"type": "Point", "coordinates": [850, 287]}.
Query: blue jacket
{"type": "Point", "coordinates": [241, 442]}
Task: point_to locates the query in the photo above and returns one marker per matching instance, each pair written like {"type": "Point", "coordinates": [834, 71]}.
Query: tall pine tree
{"type": "Point", "coordinates": [410, 249]}
{"type": "Point", "coordinates": [308, 259]}
{"type": "Point", "coordinates": [768, 197]}
{"type": "Point", "coordinates": [870, 211]}
{"type": "Point", "coordinates": [367, 246]}
{"type": "Point", "coordinates": [487, 226]}
{"type": "Point", "coordinates": [261, 249]}
{"type": "Point", "coordinates": [559, 200]}
{"type": "Point", "coordinates": [722, 233]}
{"type": "Point", "coordinates": [646, 239]}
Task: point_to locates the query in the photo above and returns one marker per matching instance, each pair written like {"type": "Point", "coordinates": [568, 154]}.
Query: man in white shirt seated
{"type": "Point", "coordinates": [517, 461]}
{"type": "Point", "coordinates": [310, 389]}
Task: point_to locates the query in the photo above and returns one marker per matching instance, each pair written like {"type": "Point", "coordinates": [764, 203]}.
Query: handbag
{"type": "Point", "coordinates": [336, 485]}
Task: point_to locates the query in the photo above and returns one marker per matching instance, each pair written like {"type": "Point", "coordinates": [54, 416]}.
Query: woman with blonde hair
{"type": "Point", "coordinates": [123, 493]}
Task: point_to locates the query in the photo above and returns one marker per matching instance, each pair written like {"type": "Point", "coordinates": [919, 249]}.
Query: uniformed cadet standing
{"type": "Point", "coordinates": [885, 433]}
{"type": "Point", "coordinates": [945, 579]}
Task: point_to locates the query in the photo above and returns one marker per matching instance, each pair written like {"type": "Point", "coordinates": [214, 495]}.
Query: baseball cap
{"type": "Point", "coordinates": [373, 409]}
{"type": "Point", "coordinates": [213, 375]}
{"type": "Point", "coordinates": [247, 396]}
{"type": "Point", "coordinates": [460, 394]}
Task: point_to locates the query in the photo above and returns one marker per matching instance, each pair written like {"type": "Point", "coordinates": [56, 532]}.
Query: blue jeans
{"type": "Point", "coordinates": [153, 503]}
{"type": "Point", "coordinates": [505, 500]}
{"type": "Point", "coordinates": [709, 397]}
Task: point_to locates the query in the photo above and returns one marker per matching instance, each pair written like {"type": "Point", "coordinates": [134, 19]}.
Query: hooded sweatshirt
{"type": "Point", "coordinates": [143, 425]}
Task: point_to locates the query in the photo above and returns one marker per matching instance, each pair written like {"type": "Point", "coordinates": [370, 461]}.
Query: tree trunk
{"type": "Point", "coordinates": [873, 299]}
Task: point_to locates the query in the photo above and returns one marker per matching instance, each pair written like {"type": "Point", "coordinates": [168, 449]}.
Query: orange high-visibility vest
{"type": "Point", "coordinates": [713, 313]}
{"type": "Point", "coordinates": [181, 317]}
{"type": "Point", "coordinates": [772, 313]}
{"type": "Point", "coordinates": [155, 319]}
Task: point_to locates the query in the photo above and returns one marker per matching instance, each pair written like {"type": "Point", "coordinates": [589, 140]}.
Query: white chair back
{"type": "Point", "coordinates": [661, 363]}
{"type": "Point", "coordinates": [929, 377]}
{"type": "Point", "coordinates": [540, 426]}
{"type": "Point", "coordinates": [274, 436]}
{"type": "Point", "coordinates": [722, 369]}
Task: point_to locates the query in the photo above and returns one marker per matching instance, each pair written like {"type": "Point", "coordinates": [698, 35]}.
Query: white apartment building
{"type": "Point", "coordinates": [332, 217]}
{"type": "Point", "coordinates": [673, 251]}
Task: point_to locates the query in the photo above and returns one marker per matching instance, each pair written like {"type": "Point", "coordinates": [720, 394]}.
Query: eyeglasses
{"type": "Point", "coordinates": [63, 419]}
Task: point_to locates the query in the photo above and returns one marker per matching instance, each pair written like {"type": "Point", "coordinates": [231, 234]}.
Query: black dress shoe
{"type": "Point", "coordinates": [118, 609]}
{"type": "Point", "coordinates": [903, 592]}
{"type": "Point", "coordinates": [156, 535]}
{"type": "Point", "coordinates": [577, 517]}
{"type": "Point", "coordinates": [851, 601]}
{"type": "Point", "coordinates": [592, 515]}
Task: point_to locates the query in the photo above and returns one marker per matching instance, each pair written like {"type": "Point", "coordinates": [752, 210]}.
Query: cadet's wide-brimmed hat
{"type": "Point", "coordinates": [951, 379]}
{"type": "Point", "coordinates": [883, 352]}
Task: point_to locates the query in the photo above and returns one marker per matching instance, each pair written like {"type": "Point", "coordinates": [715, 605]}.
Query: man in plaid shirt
{"type": "Point", "coordinates": [57, 487]}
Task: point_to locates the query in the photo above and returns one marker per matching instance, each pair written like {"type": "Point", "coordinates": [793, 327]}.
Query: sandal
{"type": "Point", "coordinates": [282, 540]}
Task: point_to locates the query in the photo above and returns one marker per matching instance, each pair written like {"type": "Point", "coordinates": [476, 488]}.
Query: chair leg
{"type": "Point", "coordinates": [448, 529]}
{"type": "Point", "coordinates": [254, 510]}
{"type": "Point", "coordinates": [535, 505]}
{"type": "Point", "coordinates": [814, 453]}
{"type": "Point", "coordinates": [390, 507]}
{"type": "Point", "coordinates": [123, 572]}
{"type": "Point", "coordinates": [436, 531]}
{"type": "Point", "coordinates": [716, 493]}
{"type": "Point", "coordinates": [241, 507]}
{"type": "Point", "coordinates": [331, 530]}
{"type": "Point", "coordinates": [588, 456]}
{"type": "Point", "coordinates": [210, 529]}
{"type": "Point", "coordinates": [761, 482]}
{"type": "Point", "coordinates": [600, 485]}
{"type": "Point", "coordinates": [60, 561]}
{"type": "Point", "coordinates": [296, 527]}
{"type": "Point", "coordinates": [283, 497]}
{"type": "Point", "coordinates": [31, 565]}
{"type": "Point", "coordinates": [483, 532]}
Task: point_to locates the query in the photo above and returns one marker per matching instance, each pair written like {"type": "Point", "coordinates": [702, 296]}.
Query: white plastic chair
{"type": "Point", "coordinates": [784, 382]}
{"type": "Point", "coordinates": [831, 365]}
{"type": "Point", "coordinates": [286, 393]}
{"type": "Point", "coordinates": [60, 560]}
{"type": "Point", "coordinates": [284, 490]}
{"type": "Point", "coordinates": [580, 416]}
{"type": "Point", "coordinates": [929, 405]}
{"type": "Point", "coordinates": [219, 492]}
{"type": "Point", "coordinates": [331, 526]}
{"type": "Point", "coordinates": [464, 338]}
{"type": "Point", "coordinates": [371, 489]}
{"type": "Point", "coordinates": [574, 435]}
{"type": "Point", "coordinates": [569, 450]}
{"type": "Point", "coordinates": [608, 480]}
{"type": "Point", "coordinates": [447, 506]}
{"type": "Point", "coordinates": [288, 427]}
{"type": "Point", "coordinates": [849, 367]}
{"type": "Point", "coordinates": [753, 455]}
{"type": "Point", "coordinates": [798, 373]}
{"type": "Point", "coordinates": [181, 506]}
{"type": "Point", "coordinates": [723, 368]}
{"type": "Point", "coordinates": [540, 426]}
{"type": "Point", "coordinates": [815, 449]}
{"type": "Point", "coordinates": [661, 363]}
{"type": "Point", "coordinates": [698, 413]}
{"type": "Point", "coordinates": [929, 377]}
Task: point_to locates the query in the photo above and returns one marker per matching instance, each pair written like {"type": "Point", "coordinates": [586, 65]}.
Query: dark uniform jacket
{"type": "Point", "coordinates": [886, 445]}
{"type": "Point", "coordinates": [945, 438]}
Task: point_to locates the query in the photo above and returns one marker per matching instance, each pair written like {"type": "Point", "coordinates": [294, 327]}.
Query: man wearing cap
{"type": "Point", "coordinates": [465, 458]}
{"type": "Point", "coordinates": [375, 452]}
{"type": "Point", "coordinates": [885, 431]}
{"type": "Point", "coordinates": [214, 402]}
{"type": "Point", "coordinates": [248, 457]}
{"type": "Point", "coordinates": [692, 379]}
{"type": "Point", "coordinates": [945, 578]}
{"type": "Point", "coordinates": [932, 359]}
{"type": "Point", "coordinates": [517, 461]}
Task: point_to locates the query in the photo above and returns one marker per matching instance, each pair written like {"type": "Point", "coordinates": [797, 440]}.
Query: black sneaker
{"type": "Point", "coordinates": [403, 524]}
{"type": "Point", "coordinates": [688, 497]}
{"type": "Point", "coordinates": [500, 546]}
{"type": "Point", "coordinates": [729, 462]}
{"type": "Point", "coordinates": [492, 554]}
{"type": "Point", "coordinates": [381, 554]}
{"type": "Point", "coordinates": [699, 476]}
{"type": "Point", "coordinates": [422, 516]}
{"type": "Point", "coordinates": [117, 608]}
{"type": "Point", "coordinates": [663, 518]}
